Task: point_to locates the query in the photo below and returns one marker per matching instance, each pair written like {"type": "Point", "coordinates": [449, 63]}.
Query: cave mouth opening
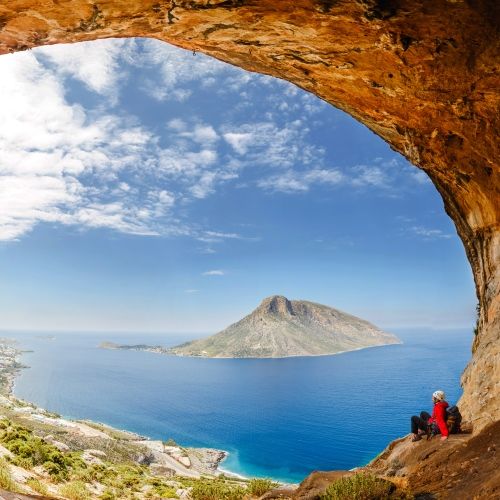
{"type": "Point", "coordinates": [416, 74]}
{"type": "Point", "coordinates": [125, 203]}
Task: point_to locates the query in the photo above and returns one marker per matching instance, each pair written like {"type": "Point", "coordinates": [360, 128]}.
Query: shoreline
{"type": "Point", "coordinates": [166, 351]}
{"type": "Point", "coordinates": [209, 460]}
{"type": "Point", "coordinates": [222, 464]}
{"type": "Point", "coordinates": [192, 461]}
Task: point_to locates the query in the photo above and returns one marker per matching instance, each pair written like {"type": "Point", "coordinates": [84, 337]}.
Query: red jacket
{"type": "Point", "coordinates": [439, 417]}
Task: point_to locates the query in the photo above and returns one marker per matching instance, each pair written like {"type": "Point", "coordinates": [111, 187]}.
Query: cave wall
{"type": "Point", "coordinates": [423, 75]}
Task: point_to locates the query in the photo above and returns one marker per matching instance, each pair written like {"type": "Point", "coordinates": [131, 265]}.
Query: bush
{"type": "Point", "coordinates": [75, 490]}
{"type": "Point", "coordinates": [258, 487]}
{"type": "Point", "coordinates": [6, 481]}
{"type": "Point", "coordinates": [107, 495]}
{"type": "Point", "coordinates": [37, 486]}
{"type": "Point", "coordinates": [216, 490]}
{"type": "Point", "coordinates": [360, 487]}
{"type": "Point", "coordinates": [162, 491]}
{"type": "Point", "coordinates": [30, 450]}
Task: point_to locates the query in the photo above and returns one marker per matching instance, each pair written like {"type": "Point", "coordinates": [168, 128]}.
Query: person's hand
{"type": "Point", "coordinates": [444, 438]}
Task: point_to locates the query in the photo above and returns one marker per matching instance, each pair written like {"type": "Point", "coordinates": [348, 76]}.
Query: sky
{"type": "Point", "coordinates": [146, 188]}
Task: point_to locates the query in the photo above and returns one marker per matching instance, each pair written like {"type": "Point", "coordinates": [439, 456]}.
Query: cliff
{"type": "Point", "coordinates": [280, 327]}
{"type": "Point", "coordinates": [422, 75]}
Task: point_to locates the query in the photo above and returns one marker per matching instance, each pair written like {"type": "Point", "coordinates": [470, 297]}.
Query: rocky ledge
{"type": "Point", "coordinates": [463, 467]}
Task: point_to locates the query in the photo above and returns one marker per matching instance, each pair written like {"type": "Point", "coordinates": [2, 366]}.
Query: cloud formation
{"type": "Point", "coordinates": [428, 233]}
{"type": "Point", "coordinates": [214, 272]}
{"type": "Point", "coordinates": [90, 163]}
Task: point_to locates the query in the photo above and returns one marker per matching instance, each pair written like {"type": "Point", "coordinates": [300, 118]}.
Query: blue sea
{"type": "Point", "coordinates": [279, 418]}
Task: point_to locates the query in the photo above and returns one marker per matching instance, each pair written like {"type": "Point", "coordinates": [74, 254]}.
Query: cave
{"type": "Point", "coordinates": [422, 75]}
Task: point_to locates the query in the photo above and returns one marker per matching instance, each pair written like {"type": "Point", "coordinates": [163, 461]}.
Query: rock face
{"type": "Point", "coordinates": [280, 327]}
{"type": "Point", "coordinates": [422, 75]}
{"type": "Point", "coordinates": [464, 467]}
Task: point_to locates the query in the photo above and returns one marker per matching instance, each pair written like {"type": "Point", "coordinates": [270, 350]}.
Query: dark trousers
{"type": "Point", "coordinates": [419, 422]}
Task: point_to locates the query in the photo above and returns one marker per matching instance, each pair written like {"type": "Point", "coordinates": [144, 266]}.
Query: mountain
{"type": "Point", "coordinates": [280, 327]}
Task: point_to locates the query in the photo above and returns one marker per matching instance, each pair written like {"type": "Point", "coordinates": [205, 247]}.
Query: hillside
{"type": "Point", "coordinates": [280, 327]}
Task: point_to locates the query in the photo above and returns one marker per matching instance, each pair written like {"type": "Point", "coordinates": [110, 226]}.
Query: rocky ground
{"type": "Point", "coordinates": [465, 467]}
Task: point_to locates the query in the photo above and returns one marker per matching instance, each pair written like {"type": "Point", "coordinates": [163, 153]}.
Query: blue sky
{"type": "Point", "coordinates": [146, 188]}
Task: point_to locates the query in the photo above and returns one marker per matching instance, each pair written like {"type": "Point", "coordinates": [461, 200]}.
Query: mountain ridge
{"type": "Point", "coordinates": [280, 327]}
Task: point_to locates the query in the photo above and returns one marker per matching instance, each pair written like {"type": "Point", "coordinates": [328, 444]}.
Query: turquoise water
{"type": "Point", "coordinates": [279, 418]}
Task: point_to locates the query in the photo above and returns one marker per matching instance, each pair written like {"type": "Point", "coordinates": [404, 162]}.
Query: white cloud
{"type": "Point", "coordinates": [177, 67]}
{"type": "Point", "coordinates": [420, 176]}
{"type": "Point", "coordinates": [239, 141]}
{"type": "Point", "coordinates": [95, 64]}
{"type": "Point", "coordinates": [301, 181]}
{"type": "Point", "coordinates": [428, 233]}
{"type": "Point", "coordinates": [63, 163]}
{"type": "Point", "coordinates": [191, 290]}
{"type": "Point", "coordinates": [268, 144]}
{"type": "Point", "coordinates": [218, 236]}
{"type": "Point", "coordinates": [59, 165]}
{"type": "Point", "coordinates": [202, 134]}
{"type": "Point", "coordinates": [214, 272]}
{"type": "Point", "coordinates": [369, 175]}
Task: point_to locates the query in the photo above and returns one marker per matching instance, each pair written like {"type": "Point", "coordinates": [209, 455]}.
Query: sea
{"type": "Point", "coordinates": [277, 418]}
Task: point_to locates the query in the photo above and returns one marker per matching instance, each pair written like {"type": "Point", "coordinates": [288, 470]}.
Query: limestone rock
{"type": "Point", "coordinates": [422, 75]}
{"type": "Point", "coordinates": [90, 457]}
{"type": "Point", "coordinates": [60, 446]}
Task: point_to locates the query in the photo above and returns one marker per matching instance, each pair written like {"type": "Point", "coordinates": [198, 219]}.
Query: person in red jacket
{"type": "Point", "coordinates": [420, 424]}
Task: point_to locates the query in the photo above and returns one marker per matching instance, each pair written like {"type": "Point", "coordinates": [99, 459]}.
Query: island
{"type": "Point", "coordinates": [280, 328]}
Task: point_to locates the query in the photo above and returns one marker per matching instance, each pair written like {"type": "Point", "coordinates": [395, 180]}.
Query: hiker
{"type": "Point", "coordinates": [421, 425]}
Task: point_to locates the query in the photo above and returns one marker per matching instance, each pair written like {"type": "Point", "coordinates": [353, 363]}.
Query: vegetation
{"type": "Point", "coordinates": [170, 442]}
{"type": "Point", "coordinates": [37, 486]}
{"type": "Point", "coordinates": [117, 480]}
{"type": "Point", "coordinates": [359, 486]}
{"type": "Point", "coordinates": [217, 489]}
{"type": "Point", "coordinates": [30, 450]}
{"type": "Point", "coordinates": [258, 487]}
{"type": "Point", "coordinates": [75, 490]}
{"type": "Point", "coordinates": [6, 481]}
{"type": "Point", "coordinates": [478, 312]}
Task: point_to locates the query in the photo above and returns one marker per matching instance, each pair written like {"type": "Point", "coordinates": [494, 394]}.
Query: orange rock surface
{"type": "Point", "coordinates": [421, 74]}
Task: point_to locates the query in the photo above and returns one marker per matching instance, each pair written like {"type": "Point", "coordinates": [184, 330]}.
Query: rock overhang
{"type": "Point", "coordinates": [422, 75]}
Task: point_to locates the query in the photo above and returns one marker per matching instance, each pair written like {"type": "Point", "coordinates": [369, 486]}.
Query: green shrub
{"type": "Point", "coordinates": [30, 450]}
{"type": "Point", "coordinates": [124, 476]}
{"type": "Point", "coordinates": [37, 486]}
{"type": "Point", "coordinates": [216, 490]}
{"type": "Point", "coordinates": [360, 487]}
{"type": "Point", "coordinates": [108, 494]}
{"type": "Point", "coordinates": [258, 487]}
{"type": "Point", "coordinates": [6, 481]}
{"type": "Point", "coordinates": [162, 491]}
{"type": "Point", "coordinates": [75, 490]}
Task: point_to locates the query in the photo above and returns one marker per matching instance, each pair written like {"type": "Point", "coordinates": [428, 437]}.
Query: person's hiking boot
{"type": "Point", "coordinates": [416, 437]}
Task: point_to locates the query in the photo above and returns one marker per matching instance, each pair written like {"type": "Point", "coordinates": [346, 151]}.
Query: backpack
{"type": "Point", "coordinates": [453, 419]}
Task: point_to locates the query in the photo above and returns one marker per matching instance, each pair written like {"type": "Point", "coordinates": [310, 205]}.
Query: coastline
{"type": "Point", "coordinates": [166, 351]}
{"type": "Point", "coordinates": [184, 461]}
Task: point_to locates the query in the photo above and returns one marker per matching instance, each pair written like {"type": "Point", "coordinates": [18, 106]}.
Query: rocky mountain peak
{"type": "Point", "coordinates": [280, 327]}
{"type": "Point", "coordinates": [277, 304]}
